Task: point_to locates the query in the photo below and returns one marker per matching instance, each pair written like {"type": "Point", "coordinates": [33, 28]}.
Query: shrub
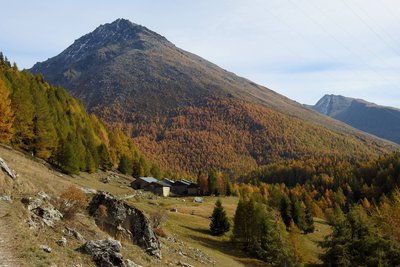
{"type": "Point", "coordinates": [160, 232]}
{"type": "Point", "coordinates": [158, 218]}
{"type": "Point", "coordinates": [71, 202]}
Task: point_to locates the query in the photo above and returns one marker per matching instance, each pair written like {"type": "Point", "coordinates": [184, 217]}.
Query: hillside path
{"type": "Point", "coordinates": [6, 257]}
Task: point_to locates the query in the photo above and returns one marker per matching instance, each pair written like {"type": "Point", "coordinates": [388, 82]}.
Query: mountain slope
{"type": "Point", "coordinates": [187, 113]}
{"type": "Point", "coordinates": [374, 119]}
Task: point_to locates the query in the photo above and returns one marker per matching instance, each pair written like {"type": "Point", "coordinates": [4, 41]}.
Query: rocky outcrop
{"type": "Point", "coordinates": [124, 222]}
{"type": "Point", "coordinates": [42, 211]}
{"type": "Point", "coordinates": [4, 167]}
{"type": "Point", "coordinates": [105, 253]}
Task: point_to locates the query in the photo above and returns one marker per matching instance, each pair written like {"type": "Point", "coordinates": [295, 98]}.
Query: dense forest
{"type": "Point", "coordinates": [45, 121]}
{"type": "Point", "coordinates": [227, 134]}
{"type": "Point", "coordinates": [279, 201]}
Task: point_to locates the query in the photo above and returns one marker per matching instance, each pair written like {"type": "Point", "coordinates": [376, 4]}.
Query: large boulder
{"type": "Point", "coordinates": [105, 253]}
{"type": "Point", "coordinates": [124, 222]}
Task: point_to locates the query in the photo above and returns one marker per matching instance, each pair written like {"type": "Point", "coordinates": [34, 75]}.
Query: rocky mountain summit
{"type": "Point", "coordinates": [374, 119]}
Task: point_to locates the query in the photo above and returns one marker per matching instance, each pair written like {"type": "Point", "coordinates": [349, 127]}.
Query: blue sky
{"type": "Point", "coordinates": [302, 49]}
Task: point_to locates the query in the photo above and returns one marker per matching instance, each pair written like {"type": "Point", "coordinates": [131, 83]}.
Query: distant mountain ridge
{"type": "Point", "coordinates": [187, 113]}
{"type": "Point", "coordinates": [374, 119]}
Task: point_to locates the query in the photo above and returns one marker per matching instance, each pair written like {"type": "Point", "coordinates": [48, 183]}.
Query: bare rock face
{"type": "Point", "coordinates": [124, 222]}
{"type": "Point", "coordinates": [105, 253]}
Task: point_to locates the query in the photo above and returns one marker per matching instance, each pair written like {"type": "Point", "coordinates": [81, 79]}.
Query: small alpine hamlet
{"type": "Point", "coordinates": [200, 133]}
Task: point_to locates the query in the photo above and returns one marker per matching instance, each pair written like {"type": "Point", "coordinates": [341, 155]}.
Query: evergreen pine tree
{"type": "Point", "coordinates": [297, 213]}
{"type": "Point", "coordinates": [285, 209]}
{"type": "Point", "coordinates": [155, 171]}
{"type": "Point", "coordinates": [104, 158]}
{"type": "Point", "coordinates": [45, 141]}
{"type": "Point", "coordinates": [308, 222]}
{"type": "Point", "coordinates": [355, 241]}
{"type": "Point", "coordinates": [125, 165]}
{"type": "Point", "coordinates": [67, 158]}
{"type": "Point", "coordinates": [219, 222]}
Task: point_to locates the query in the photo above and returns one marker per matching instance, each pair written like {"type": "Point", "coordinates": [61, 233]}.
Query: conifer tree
{"type": "Point", "coordinates": [45, 141]}
{"type": "Point", "coordinates": [297, 213]}
{"type": "Point", "coordinates": [285, 209]}
{"type": "Point", "coordinates": [125, 165]}
{"type": "Point", "coordinates": [219, 221]}
{"type": "Point", "coordinates": [104, 158]}
{"type": "Point", "coordinates": [308, 222]}
{"type": "Point", "coordinates": [67, 158]}
{"type": "Point", "coordinates": [6, 115]}
{"type": "Point", "coordinates": [155, 171]}
{"type": "Point", "coordinates": [356, 242]}
{"type": "Point", "coordinates": [22, 103]}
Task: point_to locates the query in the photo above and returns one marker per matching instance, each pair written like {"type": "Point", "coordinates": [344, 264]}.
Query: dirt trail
{"type": "Point", "coordinates": [6, 257]}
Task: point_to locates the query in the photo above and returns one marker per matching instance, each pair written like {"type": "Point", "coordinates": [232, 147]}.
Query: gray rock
{"type": "Point", "coordinates": [9, 172]}
{"type": "Point", "coordinates": [5, 198]}
{"type": "Point", "coordinates": [74, 233]}
{"type": "Point", "coordinates": [105, 253]}
{"type": "Point", "coordinates": [183, 264]}
{"type": "Point", "coordinates": [124, 222]}
{"type": "Point", "coordinates": [198, 200]}
{"type": "Point", "coordinates": [49, 215]}
{"type": "Point", "coordinates": [41, 207]}
{"type": "Point", "coordinates": [87, 190]}
{"type": "Point", "coordinates": [62, 242]}
{"type": "Point", "coordinates": [45, 248]}
{"type": "Point", "coordinates": [129, 263]}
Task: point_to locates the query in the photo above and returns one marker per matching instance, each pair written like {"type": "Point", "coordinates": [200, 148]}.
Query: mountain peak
{"type": "Point", "coordinates": [331, 104]}
{"type": "Point", "coordinates": [117, 35]}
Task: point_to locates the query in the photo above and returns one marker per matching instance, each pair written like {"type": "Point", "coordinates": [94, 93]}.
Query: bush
{"type": "Point", "coordinates": [160, 232]}
{"type": "Point", "coordinates": [71, 202]}
{"type": "Point", "coordinates": [158, 218]}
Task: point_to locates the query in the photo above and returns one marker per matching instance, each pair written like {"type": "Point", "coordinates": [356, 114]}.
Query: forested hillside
{"type": "Point", "coordinates": [186, 113]}
{"type": "Point", "coordinates": [48, 123]}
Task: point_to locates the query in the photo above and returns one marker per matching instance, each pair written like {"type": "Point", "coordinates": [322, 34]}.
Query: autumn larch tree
{"type": "Point", "coordinates": [6, 115]}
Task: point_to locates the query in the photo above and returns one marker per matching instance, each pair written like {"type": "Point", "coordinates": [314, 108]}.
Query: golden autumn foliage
{"type": "Point", "coordinates": [71, 201]}
{"type": "Point", "coordinates": [6, 115]}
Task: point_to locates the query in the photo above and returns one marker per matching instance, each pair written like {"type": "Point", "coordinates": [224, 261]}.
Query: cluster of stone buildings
{"type": "Point", "coordinates": [165, 186]}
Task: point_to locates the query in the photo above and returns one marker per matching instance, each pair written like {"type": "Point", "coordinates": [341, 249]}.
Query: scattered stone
{"type": "Point", "coordinates": [183, 264]}
{"type": "Point", "coordinates": [62, 242]}
{"type": "Point", "coordinates": [174, 210]}
{"type": "Point", "coordinates": [74, 233]}
{"type": "Point", "coordinates": [124, 222]}
{"type": "Point", "coordinates": [105, 180]}
{"type": "Point", "coordinates": [105, 253]}
{"type": "Point", "coordinates": [45, 248]}
{"type": "Point", "coordinates": [87, 190]}
{"type": "Point", "coordinates": [198, 200]}
{"type": "Point", "coordinates": [129, 263]}
{"type": "Point", "coordinates": [5, 198]}
{"type": "Point", "coordinates": [4, 167]}
{"type": "Point", "coordinates": [53, 265]}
